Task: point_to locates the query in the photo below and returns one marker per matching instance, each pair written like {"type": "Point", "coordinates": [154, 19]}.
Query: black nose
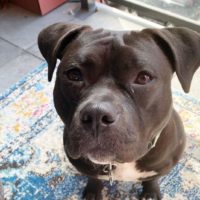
{"type": "Point", "coordinates": [95, 116]}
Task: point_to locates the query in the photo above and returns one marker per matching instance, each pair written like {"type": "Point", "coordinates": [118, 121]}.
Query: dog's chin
{"type": "Point", "coordinates": [102, 160]}
{"type": "Point", "coordinates": [99, 156]}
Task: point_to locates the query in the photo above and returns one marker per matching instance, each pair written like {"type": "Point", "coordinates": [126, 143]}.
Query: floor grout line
{"type": "Point", "coordinates": [23, 50]}
{"type": "Point", "coordinates": [5, 40]}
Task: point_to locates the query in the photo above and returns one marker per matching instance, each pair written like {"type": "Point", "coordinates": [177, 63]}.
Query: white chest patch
{"type": "Point", "coordinates": [128, 172]}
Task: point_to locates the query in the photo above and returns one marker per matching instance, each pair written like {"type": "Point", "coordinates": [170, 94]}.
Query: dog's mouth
{"type": "Point", "coordinates": [93, 152]}
{"type": "Point", "coordinates": [99, 156]}
{"type": "Point", "coordinates": [103, 152]}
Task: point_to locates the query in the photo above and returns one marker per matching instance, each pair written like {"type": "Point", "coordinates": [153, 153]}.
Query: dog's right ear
{"type": "Point", "coordinates": [53, 39]}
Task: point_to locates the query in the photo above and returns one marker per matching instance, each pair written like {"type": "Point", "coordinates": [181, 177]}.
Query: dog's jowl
{"type": "Point", "coordinates": [113, 93]}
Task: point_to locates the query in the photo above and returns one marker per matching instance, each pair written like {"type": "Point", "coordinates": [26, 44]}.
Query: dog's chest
{"type": "Point", "coordinates": [128, 172]}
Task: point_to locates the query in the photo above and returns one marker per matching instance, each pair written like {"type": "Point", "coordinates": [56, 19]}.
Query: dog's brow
{"type": "Point", "coordinates": [88, 59]}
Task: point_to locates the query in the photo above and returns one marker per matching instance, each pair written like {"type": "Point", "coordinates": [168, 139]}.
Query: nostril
{"type": "Point", "coordinates": [95, 116]}
{"type": "Point", "coordinates": [107, 119]}
{"type": "Point", "coordinates": [86, 119]}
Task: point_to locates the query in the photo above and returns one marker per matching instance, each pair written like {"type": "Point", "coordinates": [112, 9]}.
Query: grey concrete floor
{"type": "Point", "coordinates": [19, 29]}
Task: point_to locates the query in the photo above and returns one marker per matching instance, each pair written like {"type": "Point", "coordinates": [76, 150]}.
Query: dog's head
{"type": "Point", "coordinates": [113, 89]}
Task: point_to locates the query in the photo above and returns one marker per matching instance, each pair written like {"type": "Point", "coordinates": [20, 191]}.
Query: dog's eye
{"type": "Point", "coordinates": [74, 74]}
{"type": "Point", "coordinates": [143, 78]}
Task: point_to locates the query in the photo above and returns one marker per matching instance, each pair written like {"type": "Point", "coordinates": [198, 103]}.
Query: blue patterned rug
{"type": "Point", "coordinates": [33, 165]}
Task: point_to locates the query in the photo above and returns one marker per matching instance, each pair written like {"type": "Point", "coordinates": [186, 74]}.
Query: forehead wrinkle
{"type": "Point", "coordinates": [93, 54]}
{"type": "Point", "coordinates": [142, 47]}
{"type": "Point", "coordinates": [129, 61]}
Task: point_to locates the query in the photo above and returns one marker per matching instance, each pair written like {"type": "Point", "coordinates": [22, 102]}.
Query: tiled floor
{"type": "Point", "coordinates": [19, 29]}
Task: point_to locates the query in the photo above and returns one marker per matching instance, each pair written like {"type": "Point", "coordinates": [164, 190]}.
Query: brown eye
{"type": "Point", "coordinates": [74, 74]}
{"type": "Point", "coordinates": [143, 78]}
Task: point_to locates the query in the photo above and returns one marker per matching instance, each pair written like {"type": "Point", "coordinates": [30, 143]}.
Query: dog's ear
{"type": "Point", "coordinates": [182, 48]}
{"type": "Point", "coordinates": [53, 39]}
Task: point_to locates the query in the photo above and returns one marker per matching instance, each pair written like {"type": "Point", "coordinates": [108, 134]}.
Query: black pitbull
{"type": "Point", "coordinates": [113, 93]}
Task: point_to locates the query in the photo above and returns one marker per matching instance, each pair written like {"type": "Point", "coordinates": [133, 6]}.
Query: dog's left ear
{"type": "Point", "coordinates": [182, 48]}
{"type": "Point", "coordinates": [53, 39]}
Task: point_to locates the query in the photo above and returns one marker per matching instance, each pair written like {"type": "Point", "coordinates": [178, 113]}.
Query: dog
{"type": "Point", "coordinates": [113, 93]}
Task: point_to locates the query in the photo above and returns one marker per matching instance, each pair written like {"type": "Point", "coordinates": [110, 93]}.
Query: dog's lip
{"type": "Point", "coordinates": [98, 162]}
{"type": "Point", "coordinates": [104, 161]}
{"type": "Point", "coordinates": [100, 157]}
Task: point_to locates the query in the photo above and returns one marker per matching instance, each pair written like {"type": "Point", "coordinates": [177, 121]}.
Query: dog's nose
{"type": "Point", "coordinates": [98, 115]}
